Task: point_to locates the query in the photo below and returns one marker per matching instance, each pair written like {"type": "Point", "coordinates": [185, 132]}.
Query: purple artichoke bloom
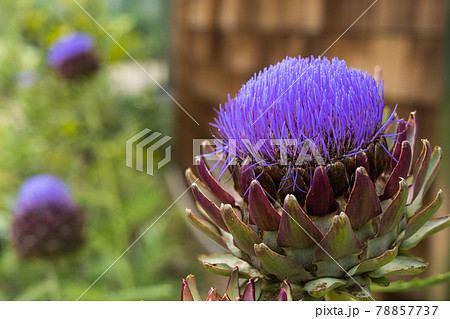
{"type": "Point", "coordinates": [73, 55]}
{"type": "Point", "coordinates": [317, 183]}
{"type": "Point", "coordinates": [46, 220]}
{"type": "Point", "coordinates": [311, 100]}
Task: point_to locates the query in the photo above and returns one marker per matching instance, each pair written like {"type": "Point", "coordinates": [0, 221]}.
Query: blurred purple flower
{"type": "Point", "coordinates": [73, 55]}
{"type": "Point", "coordinates": [26, 78]}
{"type": "Point", "coordinates": [46, 220]}
{"type": "Point", "coordinates": [69, 46]}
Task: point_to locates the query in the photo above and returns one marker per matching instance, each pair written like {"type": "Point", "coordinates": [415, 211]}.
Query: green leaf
{"type": "Point", "coordinates": [223, 264]}
{"type": "Point", "coordinates": [304, 256]}
{"type": "Point", "coordinates": [335, 295]}
{"type": "Point", "coordinates": [419, 219]}
{"type": "Point", "coordinates": [296, 228]}
{"type": "Point", "coordinates": [232, 290]}
{"type": "Point", "coordinates": [429, 228]}
{"type": "Point", "coordinates": [358, 287]}
{"type": "Point", "coordinates": [378, 245]}
{"type": "Point", "coordinates": [258, 288]}
{"type": "Point", "coordinates": [374, 263]}
{"type": "Point", "coordinates": [320, 287]}
{"type": "Point", "coordinates": [193, 287]}
{"type": "Point", "coordinates": [223, 270]}
{"type": "Point", "coordinates": [394, 213]}
{"type": "Point", "coordinates": [432, 169]}
{"type": "Point", "coordinates": [368, 230]}
{"type": "Point", "coordinates": [435, 160]}
{"type": "Point", "coordinates": [417, 283]}
{"type": "Point", "coordinates": [235, 251]}
{"type": "Point", "coordinates": [339, 241]}
{"type": "Point", "coordinates": [206, 228]}
{"type": "Point", "coordinates": [339, 249]}
{"type": "Point", "coordinates": [270, 292]}
{"type": "Point", "coordinates": [281, 266]}
{"type": "Point", "coordinates": [421, 168]}
{"type": "Point", "coordinates": [308, 297]}
{"type": "Point", "coordinates": [243, 235]}
{"type": "Point", "coordinates": [401, 265]}
{"type": "Point", "coordinates": [381, 281]}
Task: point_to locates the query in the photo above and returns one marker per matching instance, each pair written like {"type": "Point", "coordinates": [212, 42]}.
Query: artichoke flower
{"type": "Point", "coordinates": [73, 56]}
{"type": "Point", "coordinates": [46, 223]}
{"type": "Point", "coordinates": [316, 182]}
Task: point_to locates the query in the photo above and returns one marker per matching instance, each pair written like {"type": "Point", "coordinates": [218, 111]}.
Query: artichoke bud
{"type": "Point", "coordinates": [46, 222]}
{"type": "Point", "coordinates": [338, 214]}
{"type": "Point", "coordinates": [73, 56]}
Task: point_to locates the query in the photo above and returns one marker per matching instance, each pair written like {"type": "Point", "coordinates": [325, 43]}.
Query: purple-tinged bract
{"type": "Point", "coordinates": [252, 290]}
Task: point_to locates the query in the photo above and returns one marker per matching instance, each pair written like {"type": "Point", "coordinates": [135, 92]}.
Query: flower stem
{"type": "Point", "coordinates": [54, 291]}
{"type": "Point", "coordinates": [414, 284]}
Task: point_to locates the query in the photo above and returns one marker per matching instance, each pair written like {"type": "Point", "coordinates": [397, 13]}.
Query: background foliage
{"type": "Point", "coordinates": [77, 131]}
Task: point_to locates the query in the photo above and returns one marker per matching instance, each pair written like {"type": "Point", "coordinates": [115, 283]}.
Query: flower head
{"type": "Point", "coordinates": [69, 46]}
{"type": "Point", "coordinates": [46, 220]}
{"type": "Point", "coordinates": [73, 54]}
{"type": "Point", "coordinates": [355, 213]}
{"type": "Point", "coordinates": [43, 191]}
{"type": "Point", "coordinates": [337, 109]}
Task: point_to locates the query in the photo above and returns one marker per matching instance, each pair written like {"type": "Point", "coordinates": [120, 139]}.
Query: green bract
{"type": "Point", "coordinates": [348, 228]}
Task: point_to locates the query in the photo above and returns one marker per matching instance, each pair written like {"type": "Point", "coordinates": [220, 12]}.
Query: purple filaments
{"type": "Point", "coordinates": [69, 46]}
{"type": "Point", "coordinates": [337, 109]}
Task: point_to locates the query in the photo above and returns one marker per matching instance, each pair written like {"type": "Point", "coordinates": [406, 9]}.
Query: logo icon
{"type": "Point", "coordinates": [144, 141]}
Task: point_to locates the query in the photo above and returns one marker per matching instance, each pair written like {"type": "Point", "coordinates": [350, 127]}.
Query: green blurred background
{"type": "Point", "coordinates": [77, 131]}
{"type": "Point", "coordinates": [199, 50]}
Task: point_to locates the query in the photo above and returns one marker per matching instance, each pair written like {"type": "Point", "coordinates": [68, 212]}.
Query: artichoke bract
{"type": "Point", "coordinates": [248, 291]}
{"type": "Point", "coordinates": [46, 223]}
{"type": "Point", "coordinates": [73, 56]}
{"type": "Point", "coordinates": [315, 182]}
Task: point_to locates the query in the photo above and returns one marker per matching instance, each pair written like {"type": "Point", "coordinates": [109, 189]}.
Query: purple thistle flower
{"type": "Point", "coordinates": [315, 223]}
{"type": "Point", "coordinates": [46, 220]}
{"type": "Point", "coordinates": [43, 191]}
{"type": "Point", "coordinates": [353, 209]}
{"type": "Point", "coordinates": [73, 55]}
{"type": "Point", "coordinates": [69, 46]}
{"type": "Point", "coordinates": [338, 109]}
